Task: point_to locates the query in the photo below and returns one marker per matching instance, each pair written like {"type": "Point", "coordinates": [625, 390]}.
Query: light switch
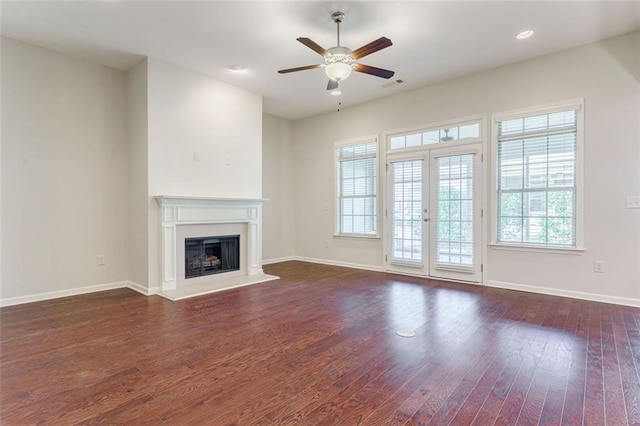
{"type": "Point", "coordinates": [633, 202]}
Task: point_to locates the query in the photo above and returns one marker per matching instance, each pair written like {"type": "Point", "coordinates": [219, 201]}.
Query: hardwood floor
{"type": "Point", "coordinates": [319, 347]}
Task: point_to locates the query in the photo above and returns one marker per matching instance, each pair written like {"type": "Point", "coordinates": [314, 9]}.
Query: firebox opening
{"type": "Point", "coordinates": [211, 255]}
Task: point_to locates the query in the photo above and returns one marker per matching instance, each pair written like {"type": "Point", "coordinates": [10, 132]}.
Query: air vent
{"type": "Point", "coordinates": [392, 83]}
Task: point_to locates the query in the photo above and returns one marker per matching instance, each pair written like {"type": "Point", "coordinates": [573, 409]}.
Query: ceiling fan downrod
{"type": "Point", "coordinates": [337, 18]}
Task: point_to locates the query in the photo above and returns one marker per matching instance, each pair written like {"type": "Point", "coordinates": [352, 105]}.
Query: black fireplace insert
{"type": "Point", "coordinates": [211, 255]}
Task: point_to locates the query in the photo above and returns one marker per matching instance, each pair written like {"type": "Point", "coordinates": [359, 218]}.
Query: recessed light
{"type": "Point", "coordinates": [237, 68]}
{"type": "Point", "coordinates": [336, 93]}
{"type": "Point", "coordinates": [524, 34]}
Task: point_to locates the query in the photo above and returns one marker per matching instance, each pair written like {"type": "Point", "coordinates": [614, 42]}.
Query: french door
{"type": "Point", "coordinates": [433, 213]}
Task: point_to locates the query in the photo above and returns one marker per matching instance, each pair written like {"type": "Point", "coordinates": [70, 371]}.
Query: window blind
{"type": "Point", "coordinates": [357, 188]}
{"type": "Point", "coordinates": [536, 179]}
{"type": "Point", "coordinates": [407, 210]}
{"type": "Point", "coordinates": [454, 217]}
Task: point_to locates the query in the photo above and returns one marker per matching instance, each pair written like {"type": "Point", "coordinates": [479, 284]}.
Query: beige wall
{"type": "Point", "coordinates": [277, 186]}
{"type": "Point", "coordinates": [86, 148]}
{"type": "Point", "coordinates": [605, 74]}
{"type": "Point", "coordinates": [137, 156]}
{"type": "Point", "coordinates": [64, 174]}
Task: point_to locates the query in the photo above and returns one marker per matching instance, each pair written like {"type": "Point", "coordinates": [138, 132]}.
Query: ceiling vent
{"type": "Point", "coordinates": [392, 83]}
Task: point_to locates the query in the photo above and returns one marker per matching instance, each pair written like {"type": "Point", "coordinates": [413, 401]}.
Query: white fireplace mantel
{"type": "Point", "coordinates": [178, 211]}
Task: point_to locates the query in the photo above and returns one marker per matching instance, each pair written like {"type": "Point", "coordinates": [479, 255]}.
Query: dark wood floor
{"type": "Point", "coordinates": [319, 346]}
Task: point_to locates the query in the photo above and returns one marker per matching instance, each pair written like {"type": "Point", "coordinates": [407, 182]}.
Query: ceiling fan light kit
{"type": "Point", "coordinates": [340, 61]}
{"type": "Point", "coordinates": [338, 64]}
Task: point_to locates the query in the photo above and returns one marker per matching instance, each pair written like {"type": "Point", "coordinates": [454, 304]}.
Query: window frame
{"type": "Point", "coordinates": [438, 125]}
{"type": "Point", "coordinates": [337, 197]}
{"type": "Point", "coordinates": [573, 104]}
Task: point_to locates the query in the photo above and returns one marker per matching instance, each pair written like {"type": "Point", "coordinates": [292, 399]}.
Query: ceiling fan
{"type": "Point", "coordinates": [339, 61]}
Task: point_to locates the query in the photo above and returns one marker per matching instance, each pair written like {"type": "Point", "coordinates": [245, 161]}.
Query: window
{"type": "Point", "coordinates": [459, 132]}
{"type": "Point", "coordinates": [537, 177]}
{"type": "Point", "coordinates": [357, 188]}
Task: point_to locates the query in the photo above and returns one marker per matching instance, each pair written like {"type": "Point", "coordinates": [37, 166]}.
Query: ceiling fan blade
{"type": "Point", "coordinates": [332, 85]}
{"type": "Point", "coordinates": [370, 48]}
{"type": "Point", "coordinates": [307, 67]}
{"type": "Point", "coordinates": [378, 72]}
{"type": "Point", "coordinates": [312, 45]}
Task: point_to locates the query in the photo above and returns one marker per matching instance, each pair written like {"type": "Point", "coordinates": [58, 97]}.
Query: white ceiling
{"type": "Point", "coordinates": [433, 41]}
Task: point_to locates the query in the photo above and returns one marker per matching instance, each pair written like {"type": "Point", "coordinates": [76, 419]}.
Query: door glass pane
{"type": "Point", "coordinates": [407, 210]}
{"type": "Point", "coordinates": [455, 210]}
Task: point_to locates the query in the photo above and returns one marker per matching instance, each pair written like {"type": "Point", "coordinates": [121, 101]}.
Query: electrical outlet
{"type": "Point", "coordinates": [327, 244]}
{"type": "Point", "coordinates": [196, 156]}
{"type": "Point", "coordinates": [227, 161]}
{"type": "Point", "coordinates": [598, 266]}
{"type": "Point", "coordinates": [101, 260]}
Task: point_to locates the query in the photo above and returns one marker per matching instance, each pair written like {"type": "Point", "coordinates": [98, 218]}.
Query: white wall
{"type": "Point", "coordinates": [606, 74]}
{"type": "Point", "coordinates": [277, 186]}
{"type": "Point", "coordinates": [73, 168]}
{"type": "Point", "coordinates": [190, 114]}
{"type": "Point", "coordinates": [137, 156]}
{"type": "Point", "coordinates": [1, 180]}
{"type": "Point", "coordinates": [64, 174]}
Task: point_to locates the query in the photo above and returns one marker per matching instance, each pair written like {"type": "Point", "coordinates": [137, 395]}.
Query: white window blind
{"type": "Point", "coordinates": [454, 216]}
{"type": "Point", "coordinates": [536, 179]}
{"type": "Point", "coordinates": [357, 188]}
{"type": "Point", "coordinates": [407, 210]}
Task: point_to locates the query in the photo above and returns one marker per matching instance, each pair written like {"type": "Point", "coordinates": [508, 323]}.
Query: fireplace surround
{"type": "Point", "coordinates": [183, 218]}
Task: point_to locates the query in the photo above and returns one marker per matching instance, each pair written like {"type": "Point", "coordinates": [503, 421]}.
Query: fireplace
{"type": "Point", "coordinates": [184, 219]}
{"type": "Point", "coordinates": [211, 255]}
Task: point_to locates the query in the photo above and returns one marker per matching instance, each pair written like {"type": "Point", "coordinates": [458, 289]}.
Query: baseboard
{"type": "Point", "coordinates": [490, 283]}
{"type": "Point", "coordinates": [142, 289]}
{"type": "Point", "coordinates": [566, 293]}
{"type": "Point", "coordinates": [10, 301]}
{"type": "Point", "coordinates": [338, 263]}
{"type": "Point", "coordinates": [279, 259]}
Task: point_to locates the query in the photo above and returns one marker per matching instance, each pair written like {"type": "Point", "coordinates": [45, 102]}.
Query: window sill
{"type": "Point", "coordinates": [357, 236]}
{"type": "Point", "coordinates": [575, 251]}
